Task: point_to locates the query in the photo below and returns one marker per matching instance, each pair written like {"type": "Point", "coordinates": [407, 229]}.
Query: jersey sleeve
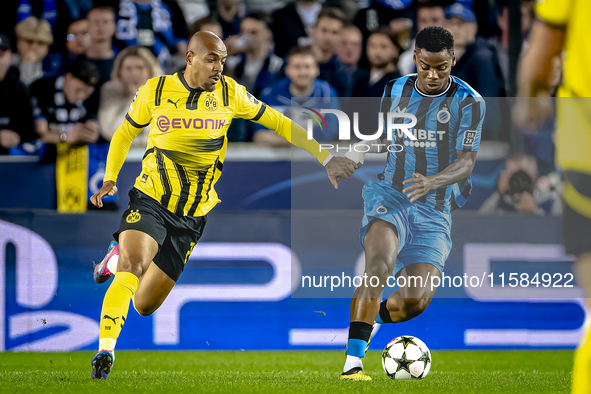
{"type": "Point", "coordinates": [139, 114]}
{"type": "Point", "coordinates": [247, 106]}
{"type": "Point", "coordinates": [137, 118]}
{"type": "Point", "coordinates": [555, 12]}
{"type": "Point", "coordinates": [292, 132]}
{"type": "Point", "coordinates": [267, 98]}
{"type": "Point", "coordinates": [472, 114]}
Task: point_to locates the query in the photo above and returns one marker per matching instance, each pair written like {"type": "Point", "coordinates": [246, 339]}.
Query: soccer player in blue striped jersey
{"type": "Point", "coordinates": [406, 228]}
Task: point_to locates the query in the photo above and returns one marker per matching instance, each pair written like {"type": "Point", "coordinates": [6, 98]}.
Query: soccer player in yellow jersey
{"type": "Point", "coordinates": [189, 114]}
{"type": "Point", "coordinates": [563, 25]}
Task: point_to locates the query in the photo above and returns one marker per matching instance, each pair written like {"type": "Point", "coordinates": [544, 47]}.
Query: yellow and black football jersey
{"type": "Point", "coordinates": [573, 120]}
{"type": "Point", "coordinates": [573, 15]}
{"type": "Point", "coordinates": [187, 141]}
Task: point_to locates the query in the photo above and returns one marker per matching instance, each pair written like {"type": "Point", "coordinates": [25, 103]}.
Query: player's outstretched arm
{"type": "Point", "coordinates": [250, 108]}
{"type": "Point", "coordinates": [337, 168]}
{"type": "Point", "coordinates": [419, 185]}
{"type": "Point", "coordinates": [136, 119]}
{"type": "Point", "coordinates": [118, 150]}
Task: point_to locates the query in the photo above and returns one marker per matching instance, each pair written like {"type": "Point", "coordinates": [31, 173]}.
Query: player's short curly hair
{"type": "Point", "coordinates": [435, 39]}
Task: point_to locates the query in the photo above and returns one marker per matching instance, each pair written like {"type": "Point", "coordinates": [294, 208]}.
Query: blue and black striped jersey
{"type": "Point", "coordinates": [446, 123]}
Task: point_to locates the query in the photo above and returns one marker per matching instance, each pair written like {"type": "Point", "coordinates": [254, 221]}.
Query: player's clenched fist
{"type": "Point", "coordinates": [340, 167]}
{"type": "Point", "coordinates": [108, 188]}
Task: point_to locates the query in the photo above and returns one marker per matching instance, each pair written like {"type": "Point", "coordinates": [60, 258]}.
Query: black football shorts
{"type": "Point", "coordinates": [176, 235]}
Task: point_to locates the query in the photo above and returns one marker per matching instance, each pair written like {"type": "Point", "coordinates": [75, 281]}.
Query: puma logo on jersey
{"type": "Point", "coordinates": [112, 318]}
{"type": "Point", "coordinates": [174, 103]}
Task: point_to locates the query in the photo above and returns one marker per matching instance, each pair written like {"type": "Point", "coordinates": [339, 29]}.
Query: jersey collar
{"type": "Point", "coordinates": [433, 95]}
{"type": "Point", "coordinates": [181, 76]}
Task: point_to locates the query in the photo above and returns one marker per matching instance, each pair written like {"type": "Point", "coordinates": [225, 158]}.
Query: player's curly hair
{"type": "Point", "coordinates": [435, 39]}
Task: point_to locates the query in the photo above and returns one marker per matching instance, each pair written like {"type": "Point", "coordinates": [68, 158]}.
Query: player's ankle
{"type": "Point", "coordinates": [107, 344]}
{"type": "Point", "coordinates": [353, 362]}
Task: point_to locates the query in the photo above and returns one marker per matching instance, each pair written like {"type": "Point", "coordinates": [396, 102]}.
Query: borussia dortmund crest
{"type": "Point", "coordinates": [210, 104]}
{"type": "Point", "coordinates": [134, 216]}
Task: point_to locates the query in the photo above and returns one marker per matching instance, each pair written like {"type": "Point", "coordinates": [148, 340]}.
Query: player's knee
{"type": "Point", "coordinates": [413, 307]}
{"type": "Point", "coordinates": [378, 269]}
{"type": "Point", "coordinates": [379, 265]}
{"type": "Point", "coordinates": [131, 262]}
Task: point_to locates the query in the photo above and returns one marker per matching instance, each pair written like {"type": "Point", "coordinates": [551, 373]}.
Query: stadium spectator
{"type": "Point", "coordinates": [349, 47]}
{"type": "Point", "coordinates": [326, 35]}
{"type": "Point", "coordinates": [101, 29]}
{"type": "Point", "coordinates": [150, 23]}
{"type": "Point", "coordinates": [476, 60]}
{"type": "Point", "coordinates": [59, 14]}
{"type": "Point", "coordinates": [349, 51]}
{"type": "Point", "coordinates": [382, 53]}
{"type": "Point", "coordinates": [300, 89]}
{"type": "Point", "coordinates": [17, 124]}
{"type": "Point", "coordinates": [255, 66]}
{"type": "Point", "coordinates": [32, 46]}
{"type": "Point", "coordinates": [180, 27]}
{"type": "Point", "coordinates": [384, 13]}
{"type": "Point", "coordinates": [397, 15]}
{"type": "Point", "coordinates": [292, 25]}
{"type": "Point", "coordinates": [209, 23]}
{"type": "Point", "coordinates": [348, 7]}
{"type": "Point", "coordinates": [133, 67]}
{"type": "Point", "coordinates": [429, 13]}
{"type": "Point", "coordinates": [228, 16]}
{"type": "Point", "coordinates": [60, 113]}
{"type": "Point", "coordinates": [78, 41]}
{"type": "Point", "coordinates": [520, 190]}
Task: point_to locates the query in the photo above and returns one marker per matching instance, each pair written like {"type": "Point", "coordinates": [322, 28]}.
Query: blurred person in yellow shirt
{"type": "Point", "coordinates": [562, 25]}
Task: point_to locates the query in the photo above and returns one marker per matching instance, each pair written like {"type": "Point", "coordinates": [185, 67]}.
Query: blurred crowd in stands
{"type": "Point", "coordinates": [69, 68]}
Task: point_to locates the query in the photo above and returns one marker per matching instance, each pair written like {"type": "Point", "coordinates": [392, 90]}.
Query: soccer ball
{"type": "Point", "coordinates": [406, 357]}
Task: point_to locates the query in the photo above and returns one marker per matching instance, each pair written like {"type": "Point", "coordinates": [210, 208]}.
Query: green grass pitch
{"type": "Point", "coordinates": [283, 372]}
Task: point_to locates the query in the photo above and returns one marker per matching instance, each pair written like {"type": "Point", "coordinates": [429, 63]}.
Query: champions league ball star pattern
{"type": "Point", "coordinates": [406, 357]}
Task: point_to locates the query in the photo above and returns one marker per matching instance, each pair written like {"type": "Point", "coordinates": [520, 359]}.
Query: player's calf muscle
{"type": "Point", "coordinates": [145, 307]}
{"type": "Point", "coordinates": [379, 264]}
{"type": "Point", "coordinates": [404, 309]}
{"type": "Point", "coordinates": [413, 307]}
{"type": "Point", "coordinates": [381, 248]}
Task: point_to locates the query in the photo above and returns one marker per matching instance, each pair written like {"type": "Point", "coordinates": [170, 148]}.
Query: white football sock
{"type": "Point", "coordinates": [112, 263]}
{"type": "Point", "coordinates": [352, 362]}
